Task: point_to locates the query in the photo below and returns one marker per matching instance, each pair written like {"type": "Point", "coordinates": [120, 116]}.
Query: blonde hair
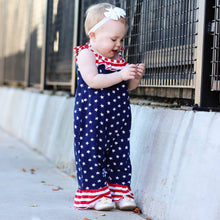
{"type": "Point", "coordinates": [95, 14]}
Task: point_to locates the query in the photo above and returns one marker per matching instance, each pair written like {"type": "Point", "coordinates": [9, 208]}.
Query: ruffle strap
{"type": "Point", "coordinates": [110, 64]}
{"type": "Point", "coordinates": [80, 48]}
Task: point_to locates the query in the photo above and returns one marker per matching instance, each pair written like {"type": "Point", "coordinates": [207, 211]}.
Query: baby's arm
{"type": "Point", "coordinates": [133, 83]}
{"type": "Point", "coordinates": [87, 67]}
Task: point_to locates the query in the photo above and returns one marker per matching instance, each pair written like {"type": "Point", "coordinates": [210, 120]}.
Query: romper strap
{"type": "Point", "coordinates": [110, 64]}
{"type": "Point", "coordinates": [80, 48]}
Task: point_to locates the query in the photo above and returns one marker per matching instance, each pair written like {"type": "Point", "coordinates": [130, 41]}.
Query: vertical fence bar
{"type": "Point", "coordinates": [215, 30]}
{"type": "Point", "coordinates": [28, 46]}
{"type": "Point", "coordinates": [44, 51]}
{"type": "Point", "coordinates": [200, 52]}
{"type": "Point", "coordinates": [194, 34]}
{"type": "Point", "coordinates": [159, 43]}
{"type": "Point", "coordinates": [2, 23]}
{"type": "Point", "coordinates": [172, 43]}
{"type": "Point", "coordinates": [188, 47]}
{"type": "Point", "coordinates": [178, 63]}
{"type": "Point", "coordinates": [192, 39]}
{"type": "Point", "coordinates": [183, 46]}
{"type": "Point", "coordinates": [217, 50]}
{"type": "Point", "coordinates": [75, 37]}
{"type": "Point", "coordinates": [167, 59]}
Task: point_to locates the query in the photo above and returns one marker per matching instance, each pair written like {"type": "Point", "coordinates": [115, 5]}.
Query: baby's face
{"type": "Point", "coordinates": [108, 40]}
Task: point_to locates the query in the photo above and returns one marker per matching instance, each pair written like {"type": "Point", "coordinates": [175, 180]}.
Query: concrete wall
{"type": "Point", "coordinates": [175, 154]}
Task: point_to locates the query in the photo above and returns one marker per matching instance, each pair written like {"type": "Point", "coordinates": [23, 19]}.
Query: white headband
{"type": "Point", "coordinates": [112, 13]}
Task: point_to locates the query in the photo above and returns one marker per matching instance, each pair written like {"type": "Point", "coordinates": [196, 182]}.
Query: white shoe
{"type": "Point", "coordinates": [126, 204]}
{"type": "Point", "coordinates": [104, 204]}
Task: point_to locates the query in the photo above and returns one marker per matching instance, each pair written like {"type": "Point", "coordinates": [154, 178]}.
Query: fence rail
{"type": "Point", "coordinates": [38, 36]}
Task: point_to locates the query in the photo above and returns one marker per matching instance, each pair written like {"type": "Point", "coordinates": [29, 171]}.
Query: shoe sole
{"type": "Point", "coordinates": [127, 208]}
{"type": "Point", "coordinates": [106, 208]}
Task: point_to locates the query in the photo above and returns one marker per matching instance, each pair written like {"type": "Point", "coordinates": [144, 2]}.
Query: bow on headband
{"type": "Point", "coordinates": [115, 13]}
{"type": "Point", "coordinates": [112, 13]}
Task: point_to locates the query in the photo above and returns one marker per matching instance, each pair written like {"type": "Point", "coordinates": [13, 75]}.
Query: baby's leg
{"type": "Point", "coordinates": [119, 167]}
{"type": "Point", "coordinates": [90, 160]}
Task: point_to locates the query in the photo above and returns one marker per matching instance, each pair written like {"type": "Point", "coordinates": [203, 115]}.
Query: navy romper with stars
{"type": "Point", "coordinates": [102, 122]}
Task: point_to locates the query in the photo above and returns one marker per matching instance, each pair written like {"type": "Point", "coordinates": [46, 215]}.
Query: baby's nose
{"type": "Point", "coordinates": [118, 43]}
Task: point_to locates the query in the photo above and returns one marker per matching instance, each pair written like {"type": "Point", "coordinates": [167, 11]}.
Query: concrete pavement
{"type": "Point", "coordinates": [33, 188]}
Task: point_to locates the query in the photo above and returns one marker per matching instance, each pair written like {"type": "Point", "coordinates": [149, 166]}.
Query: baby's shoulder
{"type": "Point", "coordinates": [85, 51]}
{"type": "Point", "coordinates": [86, 54]}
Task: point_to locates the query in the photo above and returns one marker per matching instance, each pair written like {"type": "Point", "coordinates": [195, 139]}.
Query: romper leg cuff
{"type": "Point", "coordinates": [119, 192]}
{"type": "Point", "coordinates": [85, 199]}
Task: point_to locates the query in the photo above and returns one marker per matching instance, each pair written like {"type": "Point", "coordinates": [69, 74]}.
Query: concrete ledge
{"type": "Point", "coordinates": [44, 122]}
{"type": "Point", "coordinates": [175, 153]}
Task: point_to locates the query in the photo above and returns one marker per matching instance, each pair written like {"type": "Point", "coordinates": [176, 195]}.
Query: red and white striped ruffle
{"type": "Point", "coordinates": [88, 198]}
{"type": "Point", "coordinates": [110, 64]}
{"type": "Point", "coordinates": [119, 192]}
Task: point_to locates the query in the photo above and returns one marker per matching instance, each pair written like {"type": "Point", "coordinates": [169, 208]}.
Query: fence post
{"type": "Point", "coordinates": [27, 50]}
{"type": "Point", "coordinates": [44, 51]}
{"type": "Point", "coordinates": [2, 40]}
{"type": "Point", "coordinates": [200, 52]}
{"type": "Point", "coordinates": [75, 41]}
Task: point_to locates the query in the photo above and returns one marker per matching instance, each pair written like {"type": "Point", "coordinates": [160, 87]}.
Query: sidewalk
{"type": "Point", "coordinates": [32, 188]}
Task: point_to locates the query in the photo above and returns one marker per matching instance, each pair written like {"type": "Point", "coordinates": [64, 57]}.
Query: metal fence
{"type": "Point", "coordinates": [162, 35]}
{"type": "Point", "coordinates": [34, 52]}
{"type": "Point", "coordinates": [60, 23]}
{"type": "Point", "coordinates": [13, 39]}
{"type": "Point", "coordinates": [83, 7]}
{"type": "Point", "coordinates": [38, 36]}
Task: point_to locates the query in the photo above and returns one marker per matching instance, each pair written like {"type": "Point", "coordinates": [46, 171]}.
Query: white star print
{"type": "Point", "coordinates": [93, 127]}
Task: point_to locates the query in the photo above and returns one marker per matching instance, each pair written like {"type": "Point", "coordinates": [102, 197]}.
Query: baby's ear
{"type": "Point", "coordinates": [92, 36]}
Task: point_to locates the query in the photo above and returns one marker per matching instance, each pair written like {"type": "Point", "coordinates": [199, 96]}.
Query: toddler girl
{"type": "Point", "coordinates": [102, 115]}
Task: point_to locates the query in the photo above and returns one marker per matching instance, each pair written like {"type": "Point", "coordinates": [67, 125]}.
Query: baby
{"type": "Point", "coordinates": [102, 114]}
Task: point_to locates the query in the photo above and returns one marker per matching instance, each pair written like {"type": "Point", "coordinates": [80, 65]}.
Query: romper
{"type": "Point", "coordinates": [102, 123]}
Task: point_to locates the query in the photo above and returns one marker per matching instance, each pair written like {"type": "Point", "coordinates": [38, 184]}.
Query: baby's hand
{"type": "Point", "coordinates": [140, 70]}
{"type": "Point", "coordinates": [129, 72]}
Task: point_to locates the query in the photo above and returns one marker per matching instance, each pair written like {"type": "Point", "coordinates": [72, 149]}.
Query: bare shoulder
{"type": "Point", "coordinates": [86, 55]}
